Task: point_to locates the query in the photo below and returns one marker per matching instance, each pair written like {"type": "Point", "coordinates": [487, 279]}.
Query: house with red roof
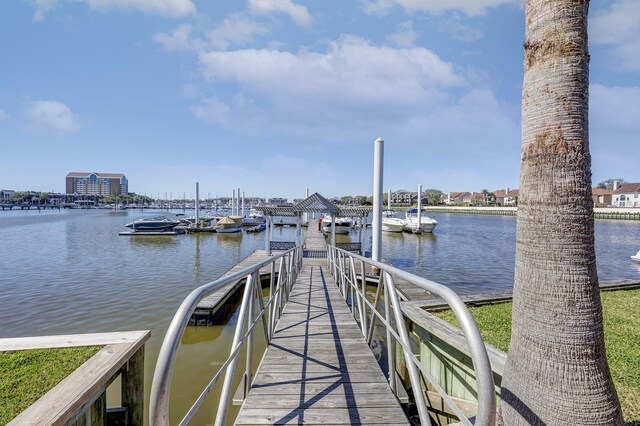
{"type": "Point", "coordinates": [626, 195]}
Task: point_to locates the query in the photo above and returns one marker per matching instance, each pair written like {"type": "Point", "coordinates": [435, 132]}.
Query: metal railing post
{"type": "Point", "coordinates": [354, 277]}
{"type": "Point", "coordinates": [271, 305]}
{"type": "Point", "coordinates": [248, 371]}
{"type": "Point", "coordinates": [391, 347]}
{"type": "Point", "coordinates": [414, 377]}
{"type": "Point", "coordinates": [223, 405]}
{"type": "Point", "coordinates": [364, 298]}
{"type": "Point", "coordinates": [375, 307]}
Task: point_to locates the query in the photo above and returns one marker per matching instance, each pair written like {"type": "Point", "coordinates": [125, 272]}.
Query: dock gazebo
{"type": "Point", "coordinates": [315, 203]}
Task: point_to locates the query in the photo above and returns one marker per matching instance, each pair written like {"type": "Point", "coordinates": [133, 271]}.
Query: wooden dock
{"type": "Point", "coordinates": [318, 368]}
{"type": "Point", "coordinates": [211, 303]}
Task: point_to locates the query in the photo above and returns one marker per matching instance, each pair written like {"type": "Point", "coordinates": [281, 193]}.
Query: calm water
{"type": "Point", "coordinates": [69, 272]}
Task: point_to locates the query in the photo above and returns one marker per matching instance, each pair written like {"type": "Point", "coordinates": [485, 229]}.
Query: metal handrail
{"type": "Point", "coordinates": [342, 263]}
{"type": "Point", "coordinates": [288, 269]}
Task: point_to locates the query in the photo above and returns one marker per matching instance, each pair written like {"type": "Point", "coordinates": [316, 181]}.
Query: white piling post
{"type": "Point", "coordinates": [419, 207]}
{"type": "Point", "coordinates": [242, 211]}
{"type": "Point", "coordinates": [238, 213]}
{"type": "Point", "coordinates": [233, 203]}
{"type": "Point", "coordinates": [389, 199]}
{"type": "Point", "coordinates": [197, 206]}
{"type": "Point", "coordinates": [378, 160]}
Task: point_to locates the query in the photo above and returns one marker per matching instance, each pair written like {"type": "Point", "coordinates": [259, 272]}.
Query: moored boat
{"type": "Point", "coordinates": [343, 224]}
{"type": "Point", "coordinates": [254, 218]}
{"type": "Point", "coordinates": [636, 258]}
{"type": "Point", "coordinates": [392, 224]}
{"type": "Point", "coordinates": [156, 223]}
{"type": "Point", "coordinates": [426, 224]}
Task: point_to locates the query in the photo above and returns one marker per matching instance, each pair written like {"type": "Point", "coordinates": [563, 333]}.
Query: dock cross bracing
{"type": "Point", "coordinates": [318, 369]}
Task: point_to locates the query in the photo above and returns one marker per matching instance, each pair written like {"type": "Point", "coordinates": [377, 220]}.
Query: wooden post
{"type": "Point", "coordinates": [99, 411]}
{"type": "Point", "coordinates": [133, 388]}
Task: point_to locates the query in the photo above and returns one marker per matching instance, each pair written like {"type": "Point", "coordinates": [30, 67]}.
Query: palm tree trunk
{"type": "Point", "coordinates": [556, 371]}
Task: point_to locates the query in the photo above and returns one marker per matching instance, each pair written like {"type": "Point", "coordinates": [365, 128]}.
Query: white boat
{"type": "Point", "coordinates": [343, 224]}
{"type": "Point", "coordinates": [254, 218]}
{"type": "Point", "coordinates": [392, 224]}
{"type": "Point", "coordinates": [427, 224]}
{"type": "Point", "coordinates": [157, 223]}
{"type": "Point", "coordinates": [636, 258]}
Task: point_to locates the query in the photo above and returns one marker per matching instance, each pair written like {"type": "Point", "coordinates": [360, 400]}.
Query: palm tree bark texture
{"type": "Point", "coordinates": [556, 371]}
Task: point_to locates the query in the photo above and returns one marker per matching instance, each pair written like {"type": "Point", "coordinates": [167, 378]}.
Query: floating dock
{"type": "Point", "coordinates": [135, 233]}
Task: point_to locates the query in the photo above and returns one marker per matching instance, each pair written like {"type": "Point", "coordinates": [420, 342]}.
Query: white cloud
{"type": "Point", "coordinates": [619, 27]}
{"type": "Point", "coordinates": [179, 40]}
{"type": "Point", "coordinates": [171, 8]}
{"type": "Point", "coordinates": [51, 117]}
{"type": "Point", "coordinates": [42, 7]}
{"type": "Point", "coordinates": [469, 7]}
{"type": "Point", "coordinates": [353, 75]}
{"type": "Point", "coordinates": [405, 36]}
{"type": "Point", "coordinates": [236, 30]}
{"type": "Point", "coordinates": [3, 115]}
{"type": "Point", "coordinates": [356, 89]}
{"type": "Point", "coordinates": [459, 30]}
{"type": "Point", "coordinates": [298, 13]}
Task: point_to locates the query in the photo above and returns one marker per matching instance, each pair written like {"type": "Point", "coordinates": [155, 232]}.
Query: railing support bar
{"type": "Point", "coordinates": [223, 405]}
{"type": "Point", "coordinates": [414, 377]}
{"type": "Point", "coordinates": [372, 324]}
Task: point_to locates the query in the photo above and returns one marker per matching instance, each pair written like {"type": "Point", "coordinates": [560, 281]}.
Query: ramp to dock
{"type": "Point", "coordinates": [318, 368]}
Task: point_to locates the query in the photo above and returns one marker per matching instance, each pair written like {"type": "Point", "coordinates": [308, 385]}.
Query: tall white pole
{"type": "Point", "coordinates": [238, 213]}
{"type": "Point", "coordinates": [378, 161]}
{"type": "Point", "coordinates": [389, 199]}
{"type": "Point", "coordinates": [197, 206]}
{"type": "Point", "coordinates": [419, 207]}
{"type": "Point", "coordinates": [242, 211]}
{"type": "Point", "coordinates": [233, 203]}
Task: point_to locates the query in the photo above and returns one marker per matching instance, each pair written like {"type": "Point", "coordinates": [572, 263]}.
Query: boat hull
{"type": "Point", "coordinates": [340, 229]}
{"type": "Point", "coordinates": [153, 225]}
{"type": "Point", "coordinates": [392, 225]}
{"type": "Point", "coordinates": [228, 230]}
{"type": "Point", "coordinates": [635, 259]}
{"type": "Point", "coordinates": [412, 226]}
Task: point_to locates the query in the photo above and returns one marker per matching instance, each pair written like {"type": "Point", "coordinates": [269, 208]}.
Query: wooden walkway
{"type": "Point", "coordinates": [318, 368]}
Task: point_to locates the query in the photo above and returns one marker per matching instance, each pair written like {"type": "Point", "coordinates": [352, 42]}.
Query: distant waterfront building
{"type": "Point", "coordinates": [97, 183]}
{"type": "Point", "coordinates": [277, 201]}
{"type": "Point", "coordinates": [6, 195]}
{"type": "Point", "coordinates": [626, 195]}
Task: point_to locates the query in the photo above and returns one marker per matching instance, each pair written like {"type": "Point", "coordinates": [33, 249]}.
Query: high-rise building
{"type": "Point", "coordinates": [97, 183]}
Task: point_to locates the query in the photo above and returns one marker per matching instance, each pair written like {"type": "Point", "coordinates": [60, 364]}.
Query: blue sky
{"type": "Point", "coordinates": [276, 96]}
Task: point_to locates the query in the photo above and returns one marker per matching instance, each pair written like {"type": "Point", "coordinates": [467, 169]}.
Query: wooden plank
{"type": "Point", "coordinates": [333, 416]}
{"type": "Point", "coordinates": [308, 388]}
{"type": "Point", "coordinates": [342, 400]}
{"type": "Point", "coordinates": [71, 340]}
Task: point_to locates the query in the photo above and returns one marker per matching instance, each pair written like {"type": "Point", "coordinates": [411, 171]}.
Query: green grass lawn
{"type": "Point", "coordinates": [622, 340]}
{"type": "Point", "coordinates": [27, 375]}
